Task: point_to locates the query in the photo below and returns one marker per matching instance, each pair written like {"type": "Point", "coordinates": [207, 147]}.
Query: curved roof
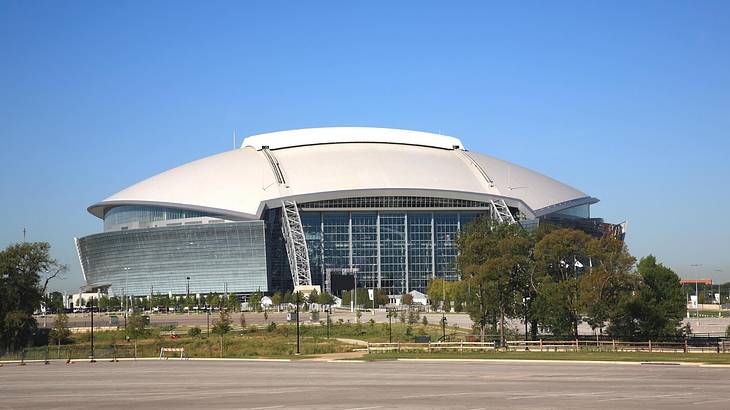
{"type": "Point", "coordinates": [327, 163]}
{"type": "Point", "coordinates": [343, 135]}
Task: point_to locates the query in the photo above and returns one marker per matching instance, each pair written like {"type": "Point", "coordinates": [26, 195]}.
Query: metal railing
{"type": "Point", "coordinates": [615, 346]}
{"type": "Point", "coordinates": [430, 347]}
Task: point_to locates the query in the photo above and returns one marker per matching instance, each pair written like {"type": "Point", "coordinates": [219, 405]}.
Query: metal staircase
{"type": "Point", "coordinates": [501, 212]}
{"type": "Point", "coordinates": [469, 160]}
{"type": "Point", "coordinates": [296, 244]}
{"type": "Point", "coordinates": [274, 163]}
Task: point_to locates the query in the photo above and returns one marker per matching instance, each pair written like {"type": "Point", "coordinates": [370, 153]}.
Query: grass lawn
{"type": "Point", "coordinates": [713, 358]}
{"type": "Point", "coordinates": [277, 342]}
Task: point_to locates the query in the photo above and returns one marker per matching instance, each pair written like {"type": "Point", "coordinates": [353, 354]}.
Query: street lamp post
{"type": "Point", "coordinates": [187, 288]}
{"type": "Point", "coordinates": [91, 301]}
{"type": "Point", "coordinates": [298, 323]}
{"type": "Point", "coordinates": [526, 300]}
{"type": "Point", "coordinates": [328, 310]}
{"type": "Point", "coordinates": [208, 320]}
{"type": "Point", "coordinates": [443, 310]}
{"type": "Point", "coordinates": [390, 326]}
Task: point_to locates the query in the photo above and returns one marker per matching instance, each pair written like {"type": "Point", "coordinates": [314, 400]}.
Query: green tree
{"type": "Point", "coordinates": [25, 271]}
{"type": "Point", "coordinates": [313, 296]}
{"type": "Point", "coordinates": [53, 302]}
{"type": "Point", "coordinates": [381, 297]}
{"type": "Point", "coordinates": [223, 324]}
{"type": "Point", "coordinates": [136, 327]}
{"type": "Point", "coordinates": [233, 304]}
{"type": "Point", "coordinates": [214, 299]}
{"type": "Point", "coordinates": [655, 310]}
{"type": "Point", "coordinates": [607, 281]}
{"type": "Point", "coordinates": [436, 291]}
{"type": "Point", "coordinates": [276, 300]}
{"type": "Point", "coordinates": [254, 301]}
{"type": "Point", "coordinates": [495, 259]}
{"type": "Point", "coordinates": [561, 259]}
{"type": "Point", "coordinates": [325, 299]}
{"type": "Point", "coordinates": [60, 331]}
{"type": "Point", "coordinates": [103, 302]}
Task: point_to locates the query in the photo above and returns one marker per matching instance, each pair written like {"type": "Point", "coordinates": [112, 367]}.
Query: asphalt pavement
{"type": "Point", "coordinates": [361, 385]}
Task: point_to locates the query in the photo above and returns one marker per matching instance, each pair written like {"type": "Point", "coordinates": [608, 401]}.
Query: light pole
{"type": "Point", "coordinates": [443, 309]}
{"type": "Point", "coordinates": [328, 310]}
{"type": "Point", "coordinates": [696, 266]}
{"type": "Point", "coordinates": [390, 325]}
{"type": "Point", "coordinates": [526, 300]}
{"type": "Point", "coordinates": [298, 323]}
{"type": "Point", "coordinates": [208, 320]}
{"type": "Point", "coordinates": [91, 301]}
{"type": "Point", "coordinates": [187, 288]}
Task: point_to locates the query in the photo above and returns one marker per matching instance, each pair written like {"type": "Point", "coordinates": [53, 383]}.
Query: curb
{"type": "Point", "coordinates": [616, 362]}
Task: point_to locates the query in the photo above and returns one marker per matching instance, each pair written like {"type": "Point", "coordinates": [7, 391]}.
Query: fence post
{"type": "Point", "coordinates": [576, 345]}
{"type": "Point", "coordinates": [68, 361]}
{"type": "Point", "coordinates": [650, 346]}
{"type": "Point", "coordinates": [613, 344]}
{"type": "Point", "coordinates": [368, 347]}
{"type": "Point", "coordinates": [22, 357]}
{"type": "Point", "coordinates": [685, 345]}
{"type": "Point", "coordinates": [47, 362]}
{"type": "Point", "coordinates": [398, 347]}
{"type": "Point", "coordinates": [461, 347]}
{"type": "Point", "coordinates": [541, 345]}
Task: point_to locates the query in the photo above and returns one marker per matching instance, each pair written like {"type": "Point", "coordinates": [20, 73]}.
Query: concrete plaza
{"type": "Point", "coordinates": [361, 385]}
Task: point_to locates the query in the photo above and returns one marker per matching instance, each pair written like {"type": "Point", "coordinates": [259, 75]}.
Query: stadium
{"type": "Point", "coordinates": [382, 207]}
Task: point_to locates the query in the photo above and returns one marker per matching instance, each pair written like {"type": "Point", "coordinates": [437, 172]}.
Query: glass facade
{"type": "Point", "coordinates": [138, 215]}
{"type": "Point", "coordinates": [393, 202]}
{"type": "Point", "coordinates": [215, 257]}
{"type": "Point", "coordinates": [398, 251]}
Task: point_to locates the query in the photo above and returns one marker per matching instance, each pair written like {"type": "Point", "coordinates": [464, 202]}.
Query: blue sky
{"type": "Point", "coordinates": [627, 101]}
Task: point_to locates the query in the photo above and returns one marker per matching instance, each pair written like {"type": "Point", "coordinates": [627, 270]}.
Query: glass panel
{"type": "Point", "coordinates": [365, 249]}
{"type": "Point", "coordinates": [393, 253]}
{"type": "Point", "coordinates": [419, 251]}
{"type": "Point", "coordinates": [136, 214]}
{"type": "Point", "coordinates": [336, 240]}
{"type": "Point", "coordinates": [403, 202]}
{"type": "Point", "coordinates": [446, 227]}
{"type": "Point", "coordinates": [214, 256]}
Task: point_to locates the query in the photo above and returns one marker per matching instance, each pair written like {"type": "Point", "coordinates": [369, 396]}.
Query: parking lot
{"type": "Point", "coordinates": [349, 385]}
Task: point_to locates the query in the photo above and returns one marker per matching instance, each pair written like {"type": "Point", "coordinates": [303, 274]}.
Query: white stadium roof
{"type": "Point", "coordinates": [328, 163]}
